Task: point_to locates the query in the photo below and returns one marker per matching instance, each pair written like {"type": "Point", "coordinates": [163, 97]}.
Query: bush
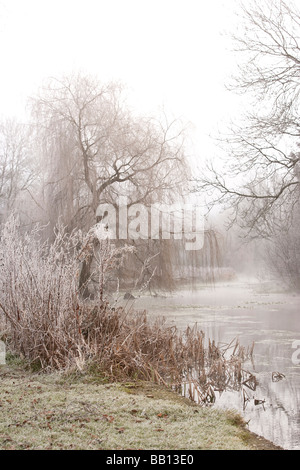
{"type": "Point", "coordinates": [49, 324]}
{"type": "Point", "coordinates": [38, 294]}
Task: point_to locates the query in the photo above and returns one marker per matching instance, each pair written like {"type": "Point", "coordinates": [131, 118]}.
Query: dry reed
{"type": "Point", "coordinates": [50, 325]}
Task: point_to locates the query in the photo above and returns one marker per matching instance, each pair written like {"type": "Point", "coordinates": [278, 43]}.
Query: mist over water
{"type": "Point", "coordinates": [249, 311]}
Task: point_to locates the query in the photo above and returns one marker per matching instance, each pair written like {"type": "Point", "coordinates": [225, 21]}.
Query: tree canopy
{"type": "Point", "coordinates": [260, 179]}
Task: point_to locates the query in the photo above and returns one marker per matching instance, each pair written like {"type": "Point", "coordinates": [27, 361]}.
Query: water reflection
{"type": "Point", "coordinates": [249, 313]}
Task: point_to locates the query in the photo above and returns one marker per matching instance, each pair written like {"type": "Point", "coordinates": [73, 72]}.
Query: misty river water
{"type": "Point", "coordinates": [250, 312]}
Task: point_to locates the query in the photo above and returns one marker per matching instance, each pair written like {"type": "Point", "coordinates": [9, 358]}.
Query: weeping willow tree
{"type": "Point", "coordinates": [201, 265]}
{"type": "Point", "coordinates": [95, 149]}
{"type": "Point", "coordinates": [166, 264]}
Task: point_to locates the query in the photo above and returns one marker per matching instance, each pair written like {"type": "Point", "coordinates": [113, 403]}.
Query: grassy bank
{"type": "Point", "coordinates": [55, 411]}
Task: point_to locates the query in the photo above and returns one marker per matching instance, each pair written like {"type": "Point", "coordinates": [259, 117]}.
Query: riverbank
{"type": "Point", "coordinates": [57, 411]}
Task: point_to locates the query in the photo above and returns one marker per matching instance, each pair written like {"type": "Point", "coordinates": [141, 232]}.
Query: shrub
{"type": "Point", "coordinates": [49, 324]}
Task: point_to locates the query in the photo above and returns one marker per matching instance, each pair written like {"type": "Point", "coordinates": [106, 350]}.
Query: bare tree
{"type": "Point", "coordinates": [260, 179]}
{"type": "Point", "coordinates": [283, 253]}
{"type": "Point", "coordinates": [16, 165]}
{"type": "Point", "coordinates": [109, 146]}
{"type": "Point", "coordinates": [96, 149]}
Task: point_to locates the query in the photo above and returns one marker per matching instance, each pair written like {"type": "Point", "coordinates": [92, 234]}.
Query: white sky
{"type": "Point", "coordinates": [168, 52]}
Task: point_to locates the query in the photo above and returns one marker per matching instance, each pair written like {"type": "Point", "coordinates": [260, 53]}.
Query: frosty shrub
{"type": "Point", "coordinates": [47, 322]}
{"type": "Point", "coordinates": [107, 258]}
{"type": "Point", "coordinates": [39, 296]}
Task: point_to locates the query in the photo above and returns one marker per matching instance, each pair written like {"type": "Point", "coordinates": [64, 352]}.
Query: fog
{"type": "Point", "coordinates": [175, 105]}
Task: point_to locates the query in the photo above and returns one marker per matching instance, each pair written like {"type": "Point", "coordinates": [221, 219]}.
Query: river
{"type": "Point", "coordinates": [248, 311]}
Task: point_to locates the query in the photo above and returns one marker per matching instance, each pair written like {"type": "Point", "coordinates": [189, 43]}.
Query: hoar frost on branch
{"type": "Point", "coordinates": [39, 296]}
